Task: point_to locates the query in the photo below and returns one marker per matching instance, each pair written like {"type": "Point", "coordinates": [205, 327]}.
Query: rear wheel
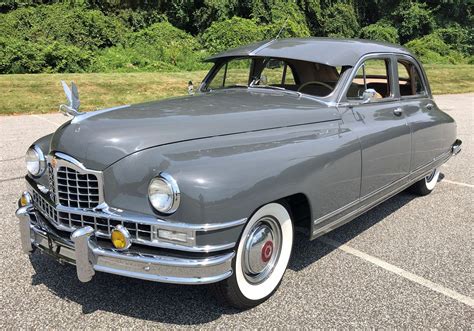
{"type": "Point", "coordinates": [426, 185]}
{"type": "Point", "coordinates": [261, 259]}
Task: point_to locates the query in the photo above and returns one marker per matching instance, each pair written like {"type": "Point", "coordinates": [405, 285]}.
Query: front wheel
{"type": "Point", "coordinates": [261, 259]}
{"type": "Point", "coordinates": [426, 185]}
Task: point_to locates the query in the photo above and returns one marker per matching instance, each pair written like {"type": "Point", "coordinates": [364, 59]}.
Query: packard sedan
{"type": "Point", "coordinates": [209, 188]}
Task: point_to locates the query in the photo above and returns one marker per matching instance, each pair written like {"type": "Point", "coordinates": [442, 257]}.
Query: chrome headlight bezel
{"type": "Point", "coordinates": [165, 185]}
{"type": "Point", "coordinates": [37, 157]}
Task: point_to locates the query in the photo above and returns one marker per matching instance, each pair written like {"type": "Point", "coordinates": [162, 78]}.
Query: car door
{"type": "Point", "coordinates": [380, 123]}
{"type": "Point", "coordinates": [428, 138]}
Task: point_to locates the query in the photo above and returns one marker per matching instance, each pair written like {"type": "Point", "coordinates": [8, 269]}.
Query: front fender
{"type": "Point", "coordinates": [227, 178]}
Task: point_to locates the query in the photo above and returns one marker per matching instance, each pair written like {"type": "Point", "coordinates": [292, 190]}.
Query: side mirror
{"type": "Point", "coordinates": [369, 95]}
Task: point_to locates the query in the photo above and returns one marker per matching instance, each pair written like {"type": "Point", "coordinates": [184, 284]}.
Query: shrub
{"type": "Point", "coordinates": [158, 47]}
{"type": "Point", "coordinates": [59, 57]}
{"type": "Point", "coordinates": [78, 26]}
{"type": "Point", "coordinates": [458, 38]}
{"type": "Point", "coordinates": [413, 20]}
{"type": "Point", "coordinates": [23, 56]}
{"type": "Point", "coordinates": [20, 56]}
{"type": "Point", "coordinates": [380, 32]}
{"type": "Point", "coordinates": [231, 33]}
{"type": "Point", "coordinates": [432, 49]}
{"type": "Point", "coordinates": [136, 20]}
{"type": "Point", "coordinates": [340, 20]}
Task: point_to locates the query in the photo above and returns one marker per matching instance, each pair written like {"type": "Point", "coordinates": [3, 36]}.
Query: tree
{"type": "Point", "coordinates": [231, 33]}
{"type": "Point", "coordinates": [380, 31]}
{"type": "Point", "coordinates": [340, 20]}
{"type": "Point", "coordinates": [413, 20]}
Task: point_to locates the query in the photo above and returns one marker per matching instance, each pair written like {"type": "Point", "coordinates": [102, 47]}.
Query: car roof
{"type": "Point", "coordinates": [333, 52]}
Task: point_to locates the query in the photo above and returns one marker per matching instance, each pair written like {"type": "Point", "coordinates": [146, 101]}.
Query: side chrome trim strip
{"type": "Point", "coordinates": [393, 188]}
{"type": "Point", "coordinates": [201, 227]}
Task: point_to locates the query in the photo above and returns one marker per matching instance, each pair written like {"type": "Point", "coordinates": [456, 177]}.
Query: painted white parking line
{"type": "Point", "coordinates": [457, 183]}
{"type": "Point", "coordinates": [403, 273]}
{"type": "Point", "coordinates": [47, 120]}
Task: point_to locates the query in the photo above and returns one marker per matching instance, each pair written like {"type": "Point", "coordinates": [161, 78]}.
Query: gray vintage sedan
{"type": "Point", "coordinates": [282, 135]}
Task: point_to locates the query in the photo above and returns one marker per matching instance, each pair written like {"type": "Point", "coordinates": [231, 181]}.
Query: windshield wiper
{"type": "Point", "coordinates": [275, 88]}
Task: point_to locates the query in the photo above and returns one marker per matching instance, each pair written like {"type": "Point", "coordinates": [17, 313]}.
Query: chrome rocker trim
{"type": "Point", "coordinates": [84, 252]}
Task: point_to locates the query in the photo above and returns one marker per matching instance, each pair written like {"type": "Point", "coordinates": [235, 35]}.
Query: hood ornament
{"type": "Point", "coordinates": [72, 96]}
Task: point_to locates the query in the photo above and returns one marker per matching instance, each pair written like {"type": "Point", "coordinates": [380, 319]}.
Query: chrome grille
{"type": "Point", "coordinates": [77, 190]}
{"type": "Point", "coordinates": [51, 183]}
{"type": "Point", "coordinates": [102, 225]}
{"type": "Point", "coordinates": [45, 208]}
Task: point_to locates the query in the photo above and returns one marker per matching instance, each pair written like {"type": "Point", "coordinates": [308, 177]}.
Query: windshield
{"type": "Point", "coordinates": [282, 74]}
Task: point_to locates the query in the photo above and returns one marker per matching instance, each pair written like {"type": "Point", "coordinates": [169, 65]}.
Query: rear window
{"type": "Point", "coordinates": [409, 79]}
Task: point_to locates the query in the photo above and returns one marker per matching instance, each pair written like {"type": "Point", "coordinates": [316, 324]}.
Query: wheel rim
{"type": "Point", "coordinates": [430, 177]}
{"type": "Point", "coordinates": [262, 250]}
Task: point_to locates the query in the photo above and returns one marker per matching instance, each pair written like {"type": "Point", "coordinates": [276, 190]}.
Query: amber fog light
{"type": "Point", "coordinates": [25, 199]}
{"type": "Point", "coordinates": [120, 237]}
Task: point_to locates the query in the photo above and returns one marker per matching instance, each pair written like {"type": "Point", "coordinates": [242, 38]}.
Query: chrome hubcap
{"type": "Point", "coordinates": [262, 249]}
{"type": "Point", "coordinates": [430, 177]}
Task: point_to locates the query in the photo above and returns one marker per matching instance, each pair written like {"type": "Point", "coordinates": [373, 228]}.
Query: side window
{"type": "Point", "coordinates": [409, 79]}
{"type": "Point", "coordinates": [233, 73]}
{"type": "Point", "coordinates": [373, 74]}
{"type": "Point", "coordinates": [277, 72]}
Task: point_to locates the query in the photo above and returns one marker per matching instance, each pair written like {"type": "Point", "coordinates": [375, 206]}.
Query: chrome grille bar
{"type": "Point", "coordinates": [103, 226]}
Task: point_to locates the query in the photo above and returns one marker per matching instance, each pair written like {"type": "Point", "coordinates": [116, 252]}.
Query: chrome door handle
{"type": "Point", "coordinates": [398, 111]}
{"type": "Point", "coordinates": [429, 106]}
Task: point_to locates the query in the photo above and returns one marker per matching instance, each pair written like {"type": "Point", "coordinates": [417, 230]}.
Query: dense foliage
{"type": "Point", "coordinates": [166, 35]}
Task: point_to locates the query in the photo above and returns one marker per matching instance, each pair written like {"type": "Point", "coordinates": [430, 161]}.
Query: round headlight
{"type": "Point", "coordinates": [163, 193]}
{"type": "Point", "coordinates": [35, 161]}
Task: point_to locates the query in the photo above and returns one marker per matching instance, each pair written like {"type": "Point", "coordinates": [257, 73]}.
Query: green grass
{"type": "Point", "coordinates": [42, 93]}
{"type": "Point", "coordinates": [448, 78]}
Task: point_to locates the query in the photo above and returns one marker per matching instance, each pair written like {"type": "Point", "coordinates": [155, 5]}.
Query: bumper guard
{"type": "Point", "coordinates": [88, 257]}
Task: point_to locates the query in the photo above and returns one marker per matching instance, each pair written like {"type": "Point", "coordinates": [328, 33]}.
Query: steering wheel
{"type": "Point", "coordinates": [314, 82]}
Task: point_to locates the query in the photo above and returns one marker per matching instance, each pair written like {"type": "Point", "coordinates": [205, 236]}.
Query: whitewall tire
{"type": "Point", "coordinates": [261, 259]}
{"type": "Point", "coordinates": [427, 184]}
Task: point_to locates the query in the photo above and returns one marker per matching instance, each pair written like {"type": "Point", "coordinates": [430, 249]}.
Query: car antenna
{"type": "Point", "coordinates": [282, 27]}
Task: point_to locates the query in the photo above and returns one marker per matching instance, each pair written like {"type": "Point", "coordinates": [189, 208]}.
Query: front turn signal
{"type": "Point", "coordinates": [25, 199]}
{"type": "Point", "coordinates": [120, 238]}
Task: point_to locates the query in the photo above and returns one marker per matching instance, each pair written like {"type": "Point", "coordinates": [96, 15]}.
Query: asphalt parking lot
{"type": "Point", "coordinates": [408, 263]}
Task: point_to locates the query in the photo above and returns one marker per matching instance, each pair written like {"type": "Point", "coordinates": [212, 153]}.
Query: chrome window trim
{"type": "Point", "coordinates": [427, 91]}
{"type": "Point", "coordinates": [342, 99]}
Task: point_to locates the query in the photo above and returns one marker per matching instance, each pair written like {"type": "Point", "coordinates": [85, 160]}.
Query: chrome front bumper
{"type": "Point", "coordinates": [84, 252]}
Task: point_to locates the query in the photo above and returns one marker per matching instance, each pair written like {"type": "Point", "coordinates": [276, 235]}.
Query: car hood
{"type": "Point", "coordinates": [98, 139]}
